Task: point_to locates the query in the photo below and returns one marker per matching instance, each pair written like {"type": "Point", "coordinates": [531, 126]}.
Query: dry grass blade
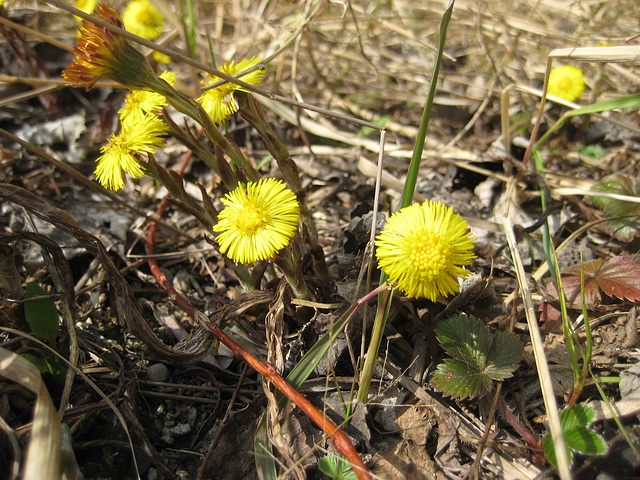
{"type": "Point", "coordinates": [43, 453]}
{"type": "Point", "coordinates": [630, 54]}
{"type": "Point", "coordinates": [544, 374]}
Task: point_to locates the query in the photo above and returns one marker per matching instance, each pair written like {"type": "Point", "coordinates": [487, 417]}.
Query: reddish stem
{"type": "Point", "coordinates": [338, 437]}
{"type": "Point", "coordinates": [534, 443]}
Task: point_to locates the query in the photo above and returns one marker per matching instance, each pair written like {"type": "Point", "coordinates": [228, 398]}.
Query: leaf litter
{"type": "Point", "coordinates": [427, 435]}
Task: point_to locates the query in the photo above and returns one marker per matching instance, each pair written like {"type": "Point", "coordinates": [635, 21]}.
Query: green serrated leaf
{"type": "Point", "coordinates": [478, 357]}
{"type": "Point", "coordinates": [41, 314]}
{"type": "Point", "coordinates": [456, 378]}
{"type": "Point", "coordinates": [578, 415]}
{"type": "Point", "coordinates": [336, 467]}
{"type": "Point", "coordinates": [584, 440]}
{"type": "Point", "coordinates": [504, 355]}
{"type": "Point", "coordinates": [464, 339]}
{"type": "Point", "coordinates": [550, 450]}
{"type": "Point", "coordinates": [578, 436]}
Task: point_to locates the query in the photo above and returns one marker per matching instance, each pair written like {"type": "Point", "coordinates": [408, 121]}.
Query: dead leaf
{"type": "Point", "coordinates": [617, 277]}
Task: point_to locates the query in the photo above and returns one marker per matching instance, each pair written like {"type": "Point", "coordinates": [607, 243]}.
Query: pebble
{"type": "Point", "coordinates": [169, 434]}
{"type": "Point", "coordinates": [158, 372]}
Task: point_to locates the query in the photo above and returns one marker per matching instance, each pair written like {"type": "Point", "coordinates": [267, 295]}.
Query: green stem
{"type": "Point", "coordinates": [414, 166]}
{"type": "Point", "coordinates": [384, 303]}
{"type": "Point", "coordinates": [190, 107]}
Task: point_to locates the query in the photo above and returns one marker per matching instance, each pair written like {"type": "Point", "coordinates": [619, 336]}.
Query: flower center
{"type": "Point", "coordinates": [250, 218]}
{"type": "Point", "coordinates": [430, 255]}
{"type": "Point", "coordinates": [144, 17]}
{"type": "Point", "coordinates": [564, 83]}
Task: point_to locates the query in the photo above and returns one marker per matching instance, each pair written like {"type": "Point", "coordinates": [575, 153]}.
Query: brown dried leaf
{"type": "Point", "coordinates": [617, 277]}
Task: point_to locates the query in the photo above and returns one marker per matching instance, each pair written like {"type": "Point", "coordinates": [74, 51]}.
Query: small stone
{"type": "Point", "coordinates": [158, 373]}
{"type": "Point", "coordinates": [192, 416]}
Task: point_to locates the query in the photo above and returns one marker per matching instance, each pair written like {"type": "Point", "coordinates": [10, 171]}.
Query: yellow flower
{"type": "Point", "coordinates": [423, 247]}
{"type": "Point", "coordinates": [87, 6]}
{"type": "Point", "coordinates": [101, 54]}
{"type": "Point", "coordinates": [566, 83]}
{"type": "Point", "coordinates": [143, 19]}
{"type": "Point", "coordinates": [142, 135]}
{"type": "Point", "coordinates": [139, 102]}
{"type": "Point", "coordinates": [258, 220]}
{"type": "Point", "coordinates": [161, 58]}
{"type": "Point", "coordinates": [218, 102]}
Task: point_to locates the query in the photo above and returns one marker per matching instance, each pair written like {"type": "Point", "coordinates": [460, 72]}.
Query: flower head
{"type": "Point", "coordinates": [99, 53]}
{"type": "Point", "coordinates": [139, 102]}
{"type": "Point", "coordinates": [566, 83]}
{"type": "Point", "coordinates": [219, 102]}
{"type": "Point", "coordinates": [258, 220]}
{"type": "Point", "coordinates": [141, 135]}
{"type": "Point", "coordinates": [143, 19]}
{"type": "Point", "coordinates": [423, 248]}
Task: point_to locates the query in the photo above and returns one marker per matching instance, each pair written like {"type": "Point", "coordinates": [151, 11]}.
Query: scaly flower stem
{"type": "Point", "coordinates": [252, 112]}
{"type": "Point", "coordinates": [217, 163]}
{"type": "Point", "coordinates": [191, 108]}
{"type": "Point", "coordinates": [172, 181]}
{"type": "Point", "coordinates": [290, 262]}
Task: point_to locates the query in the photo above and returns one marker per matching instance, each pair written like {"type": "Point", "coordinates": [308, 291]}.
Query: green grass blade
{"type": "Point", "coordinates": [414, 166]}
{"type": "Point", "coordinates": [629, 101]}
{"type": "Point", "coordinates": [189, 25]}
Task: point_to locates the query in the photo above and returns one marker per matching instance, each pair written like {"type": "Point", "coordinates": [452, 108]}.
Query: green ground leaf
{"type": "Point", "coordinates": [550, 451]}
{"type": "Point", "coordinates": [578, 415]}
{"type": "Point", "coordinates": [583, 440]}
{"type": "Point", "coordinates": [478, 357]}
{"type": "Point", "coordinates": [624, 228]}
{"type": "Point", "coordinates": [41, 314]}
{"type": "Point", "coordinates": [578, 436]}
{"type": "Point", "coordinates": [457, 379]}
{"type": "Point", "coordinates": [336, 467]}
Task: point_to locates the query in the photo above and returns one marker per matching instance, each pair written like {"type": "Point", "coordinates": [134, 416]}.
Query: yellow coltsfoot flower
{"type": "Point", "coordinates": [258, 220]}
{"type": "Point", "coordinates": [161, 58]}
{"type": "Point", "coordinates": [219, 102]}
{"type": "Point", "coordinates": [423, 248]}
{"type": "Point", "coordinates": [566, 83]}
{"type": "Point", "coordinates": [101, 54]}
{"type": "Point", "coordinates": [87, 6]}
{"type": "Point", "coordinates": [142, 18]}
{"type": "Point", "coordinates": [142, 135]}
{"type": "Point", "coordinates": [139, 102]}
